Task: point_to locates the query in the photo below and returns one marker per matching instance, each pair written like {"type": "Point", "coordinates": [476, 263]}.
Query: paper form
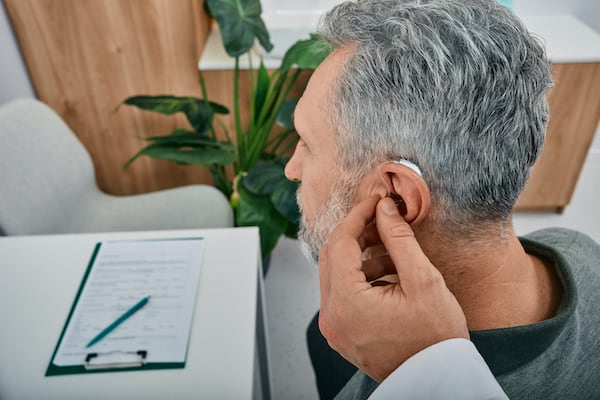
{"type": "Point", "coordinates": [122, 273]}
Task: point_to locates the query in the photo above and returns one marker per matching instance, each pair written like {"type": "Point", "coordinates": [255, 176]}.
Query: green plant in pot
{"type": "Point", "coordinates": [247, 165]}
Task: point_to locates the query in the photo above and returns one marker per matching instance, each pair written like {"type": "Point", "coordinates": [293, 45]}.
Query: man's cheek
{"type": "Point", "coordinates": [302, 204]}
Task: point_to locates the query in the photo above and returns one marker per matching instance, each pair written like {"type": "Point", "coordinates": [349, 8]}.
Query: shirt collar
{"type": "Point", "coordinates": [506, 349]}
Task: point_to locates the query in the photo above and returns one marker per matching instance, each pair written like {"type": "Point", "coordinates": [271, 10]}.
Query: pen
{"type": "Point", "coordinates": [119, 321]}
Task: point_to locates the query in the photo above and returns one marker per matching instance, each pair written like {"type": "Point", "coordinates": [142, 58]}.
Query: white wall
{"type": "Point", "coordinates": [14, 80]}
{"type": "Point", "coordinates": [587, 11]}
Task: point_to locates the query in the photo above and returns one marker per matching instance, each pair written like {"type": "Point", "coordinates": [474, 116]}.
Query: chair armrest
{"type": "Point", "coordinates": [186, 207]}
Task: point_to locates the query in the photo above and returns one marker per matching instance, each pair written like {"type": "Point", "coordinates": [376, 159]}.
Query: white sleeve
{"type": "Point", "coordinates": [450, 370]}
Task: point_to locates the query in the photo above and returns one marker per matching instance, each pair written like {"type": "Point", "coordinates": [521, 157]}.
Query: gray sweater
{"type": "Point", "coordinates": [558, 358]}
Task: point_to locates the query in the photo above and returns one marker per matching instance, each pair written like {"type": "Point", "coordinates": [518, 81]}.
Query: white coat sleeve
{"type": "Point", "coordinates": [451, 370]}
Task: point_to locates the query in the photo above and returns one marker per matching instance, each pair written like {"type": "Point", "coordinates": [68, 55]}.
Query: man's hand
{"type": "Point", "coordinates": [378, 327]}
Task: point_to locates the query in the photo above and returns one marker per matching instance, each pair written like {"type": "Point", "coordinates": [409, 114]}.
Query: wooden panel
{"type": "Point", "coordinates": [574, 114]}
{"type": "Point", "coordinates": [85, 57]}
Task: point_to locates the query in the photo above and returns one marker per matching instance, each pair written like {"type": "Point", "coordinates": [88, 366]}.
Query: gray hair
{"type": "Point", "coordinates": [455, 86]}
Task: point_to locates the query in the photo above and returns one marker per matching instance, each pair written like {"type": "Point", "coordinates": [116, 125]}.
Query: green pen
{"type": "Point", "coordinates": [119, 321]}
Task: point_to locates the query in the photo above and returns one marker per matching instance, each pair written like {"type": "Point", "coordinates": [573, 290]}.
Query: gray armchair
{"type": "Point", "coordinates": [47, 185]}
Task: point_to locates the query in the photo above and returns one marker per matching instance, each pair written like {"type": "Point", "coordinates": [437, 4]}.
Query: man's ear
{"type": "Point", "coordinates": [406, 185]}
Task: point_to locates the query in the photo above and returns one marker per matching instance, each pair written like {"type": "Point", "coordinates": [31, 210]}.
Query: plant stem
{"type": "Point", "coordinates": [205, 96]}
{"type": "Point", "coordinates": [253, 89]}
{"type": "Point", "coordinates": [225, 130]}
{"type": "Point", "coordinates": [267, 118]}
{"type": "Point", "coordinates": [236, 112]}
{"type": "Point", "coordinates": [286, 148]}
{"type": "Point", "coordinates": [221, 181]}
{"type": "Point", "coordinates": [258, 145]}
{"type": "Point", "coordinates": [275, 142]}
{"type": "Point", "coordinates": [272, 96]}
{"type": "Point", "coordinates": [236, 165]}
{"type": "Point", "coordinates": [278, 137]}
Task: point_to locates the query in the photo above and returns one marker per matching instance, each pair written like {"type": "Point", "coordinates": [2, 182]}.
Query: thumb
{"type": "Point", "coordinates": [412, 265]}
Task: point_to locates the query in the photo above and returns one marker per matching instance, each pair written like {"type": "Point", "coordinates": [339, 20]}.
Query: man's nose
{"type": "Point", "coordinates": [293, 170]}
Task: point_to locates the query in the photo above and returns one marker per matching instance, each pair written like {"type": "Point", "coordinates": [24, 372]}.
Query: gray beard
{"type": "Point", "coordinates": [314, 236]}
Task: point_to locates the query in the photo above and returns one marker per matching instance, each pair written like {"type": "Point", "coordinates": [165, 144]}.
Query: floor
{"type": "Point", "coordinates": [292, 291]}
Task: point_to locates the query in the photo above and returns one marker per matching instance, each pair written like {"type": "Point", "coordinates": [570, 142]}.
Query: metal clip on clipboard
{"type": "Point", "coordinates": [115, 359]}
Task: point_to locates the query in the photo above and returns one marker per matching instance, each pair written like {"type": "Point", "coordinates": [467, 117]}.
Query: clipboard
{"type": "Point", "coordinates": [117, 272]}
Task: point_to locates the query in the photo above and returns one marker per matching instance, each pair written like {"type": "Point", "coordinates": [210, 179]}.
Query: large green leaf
{"type": "Point", "coordinates": [183, 137]}
{"type": "Point", "coordinates": [284, 200]}
{"type": "Point", "coordinates": [197, 111]}
{"type": "Point", "coordinates": [267, 187]}
{"type": "Point", "coordinates": [292, 230]}
{"type": "Point", "coordinates": [264, 178]}
{"type": "Point", "coordinates": [262, 89]}
{"type": "Point", "coordinates": [305, 54]}
{"type": "Point", "coordinates": [257, 210]}
{"type": "Point", "coordinates": [186, 155]}
{"type": "Point", "coordinates": [240, 24]}
{"type": "Point", "coordinates": [285, 116]}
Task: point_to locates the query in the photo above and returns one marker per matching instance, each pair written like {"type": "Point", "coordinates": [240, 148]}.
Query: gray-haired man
{"type": "Point", "coordinates": [441, 103]}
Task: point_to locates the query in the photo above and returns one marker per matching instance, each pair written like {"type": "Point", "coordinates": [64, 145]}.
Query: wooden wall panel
{"type": "Point", "coordinates": [85, 57]}
{"type": "Point", "coordinates": [574, 114]}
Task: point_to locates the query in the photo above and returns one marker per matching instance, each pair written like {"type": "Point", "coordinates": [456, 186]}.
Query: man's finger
{"type": "Point", "coordinates": [400, 242]}
{"type": "Point", "coordinates": [370, 236]}
{"type": "Point", "coordinates": [376, 267]}
{"type": "Point", "coordinates": [356, 221]}
{"type": "Point", "coordinates": [343, 239]}
{"type": "Point", "coordinates": [344, 250]}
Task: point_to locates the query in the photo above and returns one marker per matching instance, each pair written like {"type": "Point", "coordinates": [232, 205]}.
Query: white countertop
{"type": "Point", "coordinates": [567, 40]}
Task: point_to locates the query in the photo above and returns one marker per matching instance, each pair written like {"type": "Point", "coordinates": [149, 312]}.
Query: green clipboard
{"type": "Point", "coordinates": [93, 362]}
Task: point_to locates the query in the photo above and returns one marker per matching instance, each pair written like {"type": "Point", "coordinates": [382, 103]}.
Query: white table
{"type": "Point", "coordinates": [227, 355]}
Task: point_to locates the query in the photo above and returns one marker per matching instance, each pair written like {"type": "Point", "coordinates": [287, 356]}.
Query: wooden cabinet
{"type": "Point", "coordinates": [86, 57]}
{"type": "Point", "coordinates": [574, 113]}
{"type": "Point", "coordinates": [574, 50]}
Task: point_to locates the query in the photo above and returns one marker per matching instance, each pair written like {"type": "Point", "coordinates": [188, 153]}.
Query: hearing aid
{"type": "Point", "coordinates": [409, 164]}
{"type": "Point", "coordinates": [400, 204]}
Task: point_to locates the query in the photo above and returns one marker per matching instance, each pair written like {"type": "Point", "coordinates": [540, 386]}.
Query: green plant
{"type": "Point", "coordinates": [247, 166]}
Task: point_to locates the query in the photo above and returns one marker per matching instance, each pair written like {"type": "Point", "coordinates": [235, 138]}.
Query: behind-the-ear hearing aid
{"type": "Point", "coordinates": [400, 204]}
{"type": "Point", "coordinates": [410, 165]}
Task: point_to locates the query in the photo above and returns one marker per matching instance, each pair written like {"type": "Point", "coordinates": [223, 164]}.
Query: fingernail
{"type": "Point", "coordinates": [388, 206]}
